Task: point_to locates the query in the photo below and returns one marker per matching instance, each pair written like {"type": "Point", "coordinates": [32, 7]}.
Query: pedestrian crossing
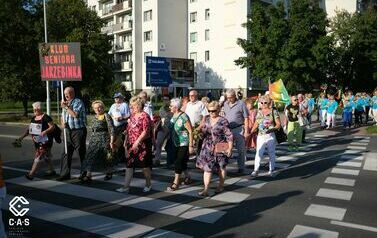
{"type": "Point", "coordinates": [181, 205]}
{"type": "Point", "coordinates": [344, 175]}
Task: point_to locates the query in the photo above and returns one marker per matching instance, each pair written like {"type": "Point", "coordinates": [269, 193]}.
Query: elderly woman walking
{"type": "Point", "coordinates": [181, 133]}
{"type": "Point", "coordinates": [138, 145]}
{"type": "Point", "coordinates": [101, 143]}
{"type": "Point", "coordinates": [267, 122]}
{"type": "Point", "coordinates": [40, 129]}
{"type": "Point", "coordinates": [215, 131]}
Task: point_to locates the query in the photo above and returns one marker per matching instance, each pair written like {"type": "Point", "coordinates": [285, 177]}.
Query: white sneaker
{"type": "Point", "coordinates": [147, 189]}
{"type": "Point", "coordinates": [123, 190]}
{"type": "Point", "coordinates": [254, 174]}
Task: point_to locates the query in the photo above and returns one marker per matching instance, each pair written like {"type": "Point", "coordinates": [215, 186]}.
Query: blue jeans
{"type": "Point", "coordinates": [347, 119]}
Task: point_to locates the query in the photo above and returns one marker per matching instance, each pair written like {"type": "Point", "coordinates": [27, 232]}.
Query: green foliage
{"type": "Point", "coordinates": [72, 21]}
{"type": "Point", "coordinates": [293, 48]}
{"type": "Point", "coordinates": [355, 51]}
{"type": "Point", "coordinates": [19, 58]}
{"type": "Point", "coordinates": [21, 30]}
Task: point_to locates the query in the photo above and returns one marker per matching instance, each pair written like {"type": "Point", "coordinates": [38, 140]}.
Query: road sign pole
{"type": "Point", "coordinates": [48, 100]}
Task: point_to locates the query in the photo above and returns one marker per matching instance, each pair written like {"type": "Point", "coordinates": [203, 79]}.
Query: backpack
{"type": "Point", "coordinates": [57, 134]}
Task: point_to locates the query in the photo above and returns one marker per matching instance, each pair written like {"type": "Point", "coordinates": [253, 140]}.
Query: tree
{"type": "Point", "coordinates": [355, 49]}
{"type": "Point", "coordinates": [267, 29]}
{"type": "Point", "coordinates": [72, 21]}
{"type": "Point", "coordinates": [307, 37]}
{"type": "Point", "coordinates": [19, 57]}
{"type": "Point", "coordinates": [68, 21]}
{"type": "Point", "coordinates": [294, 48]}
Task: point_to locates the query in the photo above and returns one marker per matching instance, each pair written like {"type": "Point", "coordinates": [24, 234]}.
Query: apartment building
{"type": "Point", "coordinates": [214, 27]}
{"type": "Point", "coordinates": [140, 28]}
{"type": "Point", "coordinates": [203, 30]}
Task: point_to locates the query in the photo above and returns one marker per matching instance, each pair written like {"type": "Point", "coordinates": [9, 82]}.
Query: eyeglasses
{"type": "Point", "coordinates": [263, 102]}
{"type": "Point", "coordinates": [212, 111]}
{"type": "Point", "coordinates": [295, 99]}
{"type": "Point", "coordinates": [192, 95]}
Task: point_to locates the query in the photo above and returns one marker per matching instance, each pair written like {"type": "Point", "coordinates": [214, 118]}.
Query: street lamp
{"type": "Point", "coordinates": [48, 100]}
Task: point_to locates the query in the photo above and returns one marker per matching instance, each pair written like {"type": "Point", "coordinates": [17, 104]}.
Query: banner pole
{"type": "Point", "coordinates": [64, 129]}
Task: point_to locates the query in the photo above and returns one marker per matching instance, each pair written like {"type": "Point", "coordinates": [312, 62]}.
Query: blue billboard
{"type": "Point", "coordinates": [158, 72]}
{"type": "Point", "coordinates": [162, 71]}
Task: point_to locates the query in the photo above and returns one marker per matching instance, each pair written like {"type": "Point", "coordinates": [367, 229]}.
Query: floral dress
{"type": "Point", "coordinates": [219, 132]}
{"type": "Point", "coordinates": [142, 156]}
{"type": "Point", "coordinates": [99, 144]}
{"type": "Point", "coordinates": [251, 140]}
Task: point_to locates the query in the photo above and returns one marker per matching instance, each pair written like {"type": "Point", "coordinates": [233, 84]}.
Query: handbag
{"type": "Point", "coordinates": [279, 133]}
{"type": "Point", "coordinates": [220, 147]}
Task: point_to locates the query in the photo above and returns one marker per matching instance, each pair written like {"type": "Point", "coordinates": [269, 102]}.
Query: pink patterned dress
{"type": "Point", "coordinates": [142, 156]}
{"type": "Point", "coordinates": [251, 140]}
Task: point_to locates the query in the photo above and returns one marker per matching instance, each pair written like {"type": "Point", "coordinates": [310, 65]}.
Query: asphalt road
{"type": "Point", "coordinates": [328, 189]}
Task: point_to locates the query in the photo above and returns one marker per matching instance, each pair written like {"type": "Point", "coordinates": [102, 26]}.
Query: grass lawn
{"type": "Point", "coordinates": [372, 130]}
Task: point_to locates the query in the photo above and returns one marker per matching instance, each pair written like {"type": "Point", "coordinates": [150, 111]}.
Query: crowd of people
{"type": "Point", "coordinates": [207, 129]}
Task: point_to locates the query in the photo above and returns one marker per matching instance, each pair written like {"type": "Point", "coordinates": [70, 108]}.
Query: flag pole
{"type": "Point", "coordinates": [48, 99]}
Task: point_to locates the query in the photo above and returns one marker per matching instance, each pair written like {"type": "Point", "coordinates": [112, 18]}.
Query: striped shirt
{"type": "Point", "coordinates": [76, 122]}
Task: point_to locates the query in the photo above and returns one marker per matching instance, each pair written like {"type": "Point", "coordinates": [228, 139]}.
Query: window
{"type": "Point", "coordinates": [148, 53]}
{"type": "Point", "coordinates": [147, 36]}
{"type": "Point", "coordinates": [206, 57]}
{"type": "Point", "coordinates": [193, 17]}
{"type": "Point", "coordinates": [206, 76]}
{"type": "Point", "coordinates": [193, 37]}
{"type": "Point", "coordinates": [193, 56]}
{"type": "Point", "coordinates": [206, 34]}
{"type": "Point", "coordinates": [148, 15]}
{"type": "Point", "coordinates": [207, 14]}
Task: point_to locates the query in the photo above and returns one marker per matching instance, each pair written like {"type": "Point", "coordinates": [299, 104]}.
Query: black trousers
{"type": "Point", "coordinates": [181, 155]}
{"type": "Point", "coordinates": [76, 140]}
{"type": "Point", "coordinates": [358, 117]}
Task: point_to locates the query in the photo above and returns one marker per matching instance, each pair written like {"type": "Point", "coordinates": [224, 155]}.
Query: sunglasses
{"type": "Point", "coordinates": [263, 102]}
{"type": "Point", "coordinates": [295, 99]}
{"type": "Point", "coordinates": [212, 110]}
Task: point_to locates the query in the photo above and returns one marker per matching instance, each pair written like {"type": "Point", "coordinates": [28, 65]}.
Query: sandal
{"type": "Point", "coordinates": [187, 181]}
{"type": "Point", "coordinates": [29, 177]}
{"type": "Point", "coordinates": [217, 191]}
{"type": "Point", "coordinates": [173, 187]}
{"type": "Point", "coordinates": [203, 194]}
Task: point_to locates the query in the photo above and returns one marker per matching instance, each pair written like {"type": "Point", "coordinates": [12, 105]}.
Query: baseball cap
{"type": "Point", "coordinates": [118, 95]}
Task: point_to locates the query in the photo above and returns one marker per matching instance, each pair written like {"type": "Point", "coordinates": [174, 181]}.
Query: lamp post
{"type": "Point", "coordinates": [48, 100]}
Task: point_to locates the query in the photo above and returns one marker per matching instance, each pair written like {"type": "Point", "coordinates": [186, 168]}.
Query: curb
{"type": "Point", "coordinates": [13, 124]}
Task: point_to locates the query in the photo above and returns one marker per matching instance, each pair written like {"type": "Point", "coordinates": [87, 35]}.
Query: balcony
{"type": "Point", "coordinates": [122, 66]}
{"type": "Point", "coordinates": [123, 26]}
{"type": "Point", "coordinates": [123, 46]}
{"type": "Point", "coordinates": [107, 29]}
{"type": "Point", "coordinates": [126, 5]}
{"type": "Point", "coordinates": [127, 65]}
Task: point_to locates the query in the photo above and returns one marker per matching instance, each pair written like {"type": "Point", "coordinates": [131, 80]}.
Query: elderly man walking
{"type": "Point", "coordinates": [75, 124]}
{"type": "Point", "coordinates": [195, 109]}
{"type": "Point", "coordinates": [237, 115]}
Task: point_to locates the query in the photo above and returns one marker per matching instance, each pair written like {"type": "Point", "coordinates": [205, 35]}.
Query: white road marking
{"type": "Point", "coordinates": [144, 203]}
{"type": "Point", "coordinates": [334, 193]}
{"type": "Point", "coordinates": [340, 181]}
{"type": "Point", "coordinates": [351, 147]}
{"type": "Point", "coordinates": [335, 213]}
{"type": "Point", "coordinates": [300, 231]}
{"type": "Point", "coordinates": [97, 224]}
{"type": "Point", "coordinates": [345, 171]}
{"type": "Point", "coordinates": [353, 225]}
{"type": "Point", "coordinates": [370, 161]}
{"type": "Point", "coordinates": [349, 164]}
